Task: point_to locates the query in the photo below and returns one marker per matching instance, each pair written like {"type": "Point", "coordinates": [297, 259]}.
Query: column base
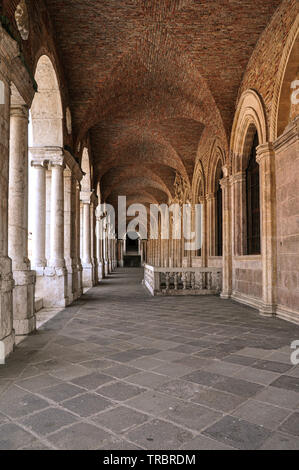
{"type": "Point", "coordinates": [7, 334]}
{"type": "Point", "coordinates": [100, 271]}
{"type": "Point", "coordinates": [51, 286]}
{"type": "Point", "coordinates": [72, 282]}
{"type": "Point", "coordinates": [24, 320]}
{"type": "Point", "coordinates": [88, 276]}
{"type": "Point", "coordinates": [80, 280]}
{"type": "Point", "coordinates": [106, 268]}
{"type": "Point", "coordinates": [267, 310]}
{"type": "Point", "coordinates": [225, 296]}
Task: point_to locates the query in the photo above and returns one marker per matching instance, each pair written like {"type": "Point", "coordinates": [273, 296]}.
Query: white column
{"type": "Point", "coordinates": [99, 242]}
{"type": "Point", "coordinates": [57, 217]}
{"type": "Point", "coordinates": [23, 295]}
{"type": "Point", "coordinates": [78, 238]}
{"type": "Point", "coordinates": [88, 280]}
{"type": "Point", "coordinates": [70, 233]}
{"type": "Point", "coordinates": [7, 53]}
{"type": "Point", "coordinates": [38, 206]}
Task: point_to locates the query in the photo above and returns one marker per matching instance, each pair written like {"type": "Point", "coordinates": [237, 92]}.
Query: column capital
{"type": "Point", "coordinates": [264, 150]}
{"type": "Point", "coordinates": [210, 196]}
{"type": "Point", "coordinates": [53, 155]}
{"type": "Point", "coordinates": [225, 182]}
{"type": "Point", "coordinates": [85, 197]}
{"type": "Point", "coordinates": [238, 177]}
{"type": "Point", "coordinates": [19, 110]}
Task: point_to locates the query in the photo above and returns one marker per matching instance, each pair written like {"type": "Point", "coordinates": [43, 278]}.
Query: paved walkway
{"type": "Point", "coordinates": [122, 370]}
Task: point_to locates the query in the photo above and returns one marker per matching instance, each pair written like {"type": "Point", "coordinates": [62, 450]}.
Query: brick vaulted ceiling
{"type": "Point", "coordinates": [148, 77]}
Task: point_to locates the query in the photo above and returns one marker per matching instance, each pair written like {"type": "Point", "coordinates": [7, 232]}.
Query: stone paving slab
{"type": "Point", "coordinates": [122, 370]}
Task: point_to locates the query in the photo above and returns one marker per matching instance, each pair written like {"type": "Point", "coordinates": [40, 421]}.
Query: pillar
{"type": "Point", "coordinates": [86, 240]}
{"type": "Point", "coordinates": [93, 246]}
{"type": "Point", "coordinates": [99, 241]}
{"type": "Point", "coordinates": [204, 232]}
{"type": "Point", "coordinates": [266, 161]}
{"type": "Point", "coordinates": [70, 234]}
{"type": "Point", "coordinates": [7, 334]}
{"type": "Point", "coordinates": [78, 238]}
{"type": "Point", "coordinates": [38, 206]}
{"type": "Point", "coordinates": [23, 294]}
{"type": "Point", "coordinates": [227, 236]}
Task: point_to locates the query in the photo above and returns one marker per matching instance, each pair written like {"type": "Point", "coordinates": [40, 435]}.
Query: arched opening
{"type": "Point", "coordinates": [46, 109]}
{"type": "Point", "coordinates": [253, 201]}
{"type": "Point", "coordinates": [219, 211]}
{"type": "Point", "coordinates": [132, 243]}
{"type": "Point", "coordinates": [132, 252]}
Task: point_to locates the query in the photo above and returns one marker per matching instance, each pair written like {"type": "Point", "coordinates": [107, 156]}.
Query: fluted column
{"type": "Point", "coordinates": [227, 237]}
{"type": "Point", "coordinates": [23, 295]}
{"type": "Point", "coordinates": [266, 161]}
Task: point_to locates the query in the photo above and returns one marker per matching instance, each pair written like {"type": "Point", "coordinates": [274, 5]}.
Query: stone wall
{"type": "Point", "coordinates": [287, 194]}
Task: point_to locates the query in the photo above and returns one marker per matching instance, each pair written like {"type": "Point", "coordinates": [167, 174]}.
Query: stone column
{"type": "Point", "coordinates": [23, 295]}
{"type": "Point", "coordinates": [86, 241]}
{"type": "Point", "coordinates": [99, 238]}
{"type": "Point", "coordinates": [55, 288]}
{"type": "Point", "coordinates": [204, 232]}
{"type": "Point", "coordinates": [38, 206]}
{"type": "Point", "coordinates": [93, 245]}
{"type": "Point", "coordinates": [7, 334]}
{"type": "Point", "coordinates": [70, 234]}
{"type": "Point", "coordinates": [266, 161]}
{"type": "Point", "coordinates": [78, 238]}
{"type": "Point", "coordinates": [57, 217]}
{"type": "Point", "coordinates": [227, 236]}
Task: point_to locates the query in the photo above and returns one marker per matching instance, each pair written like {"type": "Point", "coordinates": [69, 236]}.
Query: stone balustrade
{"type": "Point", "coordinates": [182, 281]}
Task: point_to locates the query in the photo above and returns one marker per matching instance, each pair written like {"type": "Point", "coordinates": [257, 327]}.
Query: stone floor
{"type": "Point", "coordinates": [122, 370]}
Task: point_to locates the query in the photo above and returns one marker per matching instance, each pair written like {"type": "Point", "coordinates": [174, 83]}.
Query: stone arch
{"type": "Point", "coordinates": [46, 109]}
{"type": "Point", "coordinates": [216, 156]}
{"type": "Point", "coordinates": [199, 183]}
{"type": "Point", "coordinates": [288, 73]}
{"type": "Point", "coordinates": [250, 117]}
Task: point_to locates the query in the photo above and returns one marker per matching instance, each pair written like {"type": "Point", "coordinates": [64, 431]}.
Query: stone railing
{"type": "Point", "coordinates": [182, 281]}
